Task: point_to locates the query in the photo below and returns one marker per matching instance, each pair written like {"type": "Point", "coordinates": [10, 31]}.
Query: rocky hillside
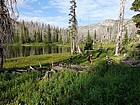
{"type": "Point", "coordinates": [107, 30]}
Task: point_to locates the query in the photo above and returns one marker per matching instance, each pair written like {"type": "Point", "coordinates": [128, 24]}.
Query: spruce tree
{"type": "Point", "coordinates": [95, 36]}
{"type": "Point", "coordinates": [136, 18]}
{"type": "Point", "coordinates": [60, 36]}
{"type": "Point", "coordinates": [125, 40]}
{"type": "Point", "coordinates": [49, 37]}
{"type": "Point", "coordinates": [89, 42]}
{"type": "Point", "coordinates": [57, 34]}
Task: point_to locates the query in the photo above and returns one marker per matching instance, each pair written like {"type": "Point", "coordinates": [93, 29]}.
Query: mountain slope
{"type": "Point", "coordinates": [107, 30]}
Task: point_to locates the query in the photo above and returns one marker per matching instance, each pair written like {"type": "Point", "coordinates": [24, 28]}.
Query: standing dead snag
{"type": "Point", "coordinates": [1, 59]}
{"type": "Point", "coordinates": [120, 29]}
{"type": "Point", "coordinates": [73, 28]}
{"type": "Point", "coordinates": [6, 23]}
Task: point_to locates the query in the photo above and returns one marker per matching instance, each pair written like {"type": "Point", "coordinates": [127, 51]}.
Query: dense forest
{"type": "Point", "coordinates": [30, 32]}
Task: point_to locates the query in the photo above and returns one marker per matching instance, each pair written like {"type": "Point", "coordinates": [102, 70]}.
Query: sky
{"type": "Point", "coordinates": [55, 12]}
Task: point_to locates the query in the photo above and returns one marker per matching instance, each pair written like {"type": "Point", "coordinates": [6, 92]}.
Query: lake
{"type": "Point", "coordinates": [22, 51]}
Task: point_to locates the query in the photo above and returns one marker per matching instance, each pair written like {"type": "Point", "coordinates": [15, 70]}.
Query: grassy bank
{"type": "Point", "coordinates": [45, 59]}
{"type": "Point", "coordinates": [40, 44]}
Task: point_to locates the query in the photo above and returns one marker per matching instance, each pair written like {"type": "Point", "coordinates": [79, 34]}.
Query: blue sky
{"type": "Point", "coordinates": [55, 12]}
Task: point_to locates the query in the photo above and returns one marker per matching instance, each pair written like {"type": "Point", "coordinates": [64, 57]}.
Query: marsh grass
{"type": "Point", "coordinates": [45, 59]}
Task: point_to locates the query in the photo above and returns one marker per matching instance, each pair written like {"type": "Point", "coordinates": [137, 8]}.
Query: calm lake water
{"type": "Point", "coordinates": [22, 51]}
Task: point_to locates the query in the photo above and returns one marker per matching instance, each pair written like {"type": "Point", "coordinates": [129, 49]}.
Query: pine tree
{"type": "Point", "coordinates": [68, 37]}
{"type": "Point", "coordinates": [53, 35]}
{"type": "Point", "coordinates": [60, 36]}
{"type": "Point", "coordinates": [125, 40]}
{"type": "Point", "coordinates": [26, 35]}
{"type": "Point", "coordinates": [49, 37]}
{"type": "Point", "coordinates": [95, 36]}
{"type": "Point", "coordinates": [136, 18]}
{"type": "Point", "coordinates": [57, 34]}
{"type": "Point", "coordinates": [89, 42]}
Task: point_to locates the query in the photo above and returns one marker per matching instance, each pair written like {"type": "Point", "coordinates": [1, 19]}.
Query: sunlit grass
{"type": "Point", "coordinates": [33, 60]}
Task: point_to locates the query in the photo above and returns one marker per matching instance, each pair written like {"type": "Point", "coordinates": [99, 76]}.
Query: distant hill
{"type": "Point", "coordinates": [107, 30]}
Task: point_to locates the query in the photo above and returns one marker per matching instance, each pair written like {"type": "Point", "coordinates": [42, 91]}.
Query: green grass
{"type": "Point", "coordinates": [102, 84]}
{"type": "Point", "coordinates": [80, 59]}
{"type": "Point", "coordinates": [29, 44]}
{"type": "Point", "coordinates": [45, 59]}
{"type": "Point", "coordinates": [40, 44]}
{"type": "Point", "coordinates": [105, 45]}
{"type": "Point", "coordinates": [113, 85]}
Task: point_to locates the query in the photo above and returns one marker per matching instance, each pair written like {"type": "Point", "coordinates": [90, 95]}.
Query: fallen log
{"type": "Point", "coordinates": [21, 70]}
{"type": "Point", "coordinates": [131, 61]}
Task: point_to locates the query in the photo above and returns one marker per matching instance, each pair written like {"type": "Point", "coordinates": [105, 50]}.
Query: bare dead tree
{"type": "Point", "coordinates": [121, 27]}
{"type": "Point", "coordinates": [8, 13]}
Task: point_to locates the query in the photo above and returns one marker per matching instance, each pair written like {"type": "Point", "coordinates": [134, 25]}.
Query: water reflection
{"type": "Point", "coordinates": [22, 51]}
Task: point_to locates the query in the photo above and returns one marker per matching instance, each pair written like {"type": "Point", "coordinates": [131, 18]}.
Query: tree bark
{"type": "Point", "coordinates": [1, 59]}
{"type": "Point", "coordinates": [119, 35]}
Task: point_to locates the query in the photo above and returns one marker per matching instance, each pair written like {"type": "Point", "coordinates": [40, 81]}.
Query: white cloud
{"type": "Point", "coordinates": [24, 3]}
{"type": "Point", "coordinates": [94, 9]}
{"type": "Point", "coordinates": [88, 11]}
{"type": "Point", "coordinates": [45, 7]}
{"type": "Point", "coordinates": [55, 21]}
{"type": "Point", "coordinates": [62, 6]}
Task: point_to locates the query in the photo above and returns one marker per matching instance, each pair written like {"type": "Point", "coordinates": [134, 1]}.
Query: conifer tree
{"type": "Point", "coordinates": [89, 42]}
{"type": "Point", "coordinates": [95, 36]}
{"type": "Point", "coordinates": [57, 35]}
{"type": "Point", "coordinates": [136, 18]}
{"type": "Point", "coordinates": [125, 40]}
{"type": "Point", "coordinates": [60, 36]}
{"type": "Point", "coordinates": [49, 37]}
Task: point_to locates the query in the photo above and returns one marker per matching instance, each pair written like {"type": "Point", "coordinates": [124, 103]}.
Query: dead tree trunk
{"type": "Point", "coordinates": [120, 29]}
{"type": "Point", "coordinates": [6, 24]}
{"type": "Point", "coordinates": [1, 59]}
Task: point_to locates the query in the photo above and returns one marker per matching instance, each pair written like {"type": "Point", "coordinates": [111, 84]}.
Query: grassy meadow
{"type": "Point", "coordinates": [103, 83]}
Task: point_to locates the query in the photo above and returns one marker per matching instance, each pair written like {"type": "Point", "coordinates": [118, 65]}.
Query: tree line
{"type": "Point", "coordinates": [34, 32]}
